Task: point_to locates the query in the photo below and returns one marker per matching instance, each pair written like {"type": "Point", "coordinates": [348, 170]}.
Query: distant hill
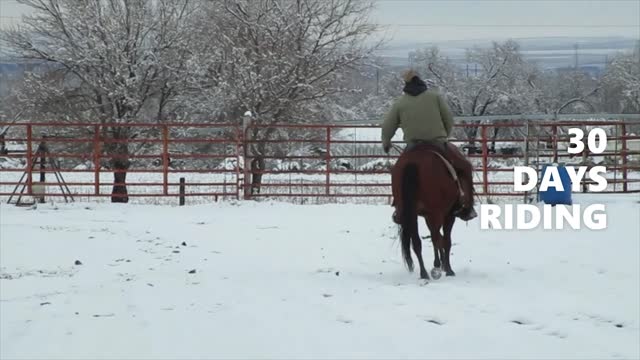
{"type": "Point", "coordinates": [550, 52]}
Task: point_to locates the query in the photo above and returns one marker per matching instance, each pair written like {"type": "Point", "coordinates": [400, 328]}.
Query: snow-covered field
{"type": "Point", "coordinates": [275, 280]}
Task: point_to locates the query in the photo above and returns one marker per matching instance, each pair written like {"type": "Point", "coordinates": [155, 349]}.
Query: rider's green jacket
{"type": "Point", "coordinates": [425, 116]}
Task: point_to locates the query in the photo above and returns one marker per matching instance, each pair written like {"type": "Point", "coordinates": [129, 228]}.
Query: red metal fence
{"type": "Point", "coordinates": [304, 163]}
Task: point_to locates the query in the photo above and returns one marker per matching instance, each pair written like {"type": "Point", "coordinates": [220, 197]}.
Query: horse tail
{"type": "Point", "coordinates": [409, 227]}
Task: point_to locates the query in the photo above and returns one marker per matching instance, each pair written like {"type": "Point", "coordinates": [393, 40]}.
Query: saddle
{"type": "Point", "coordinates": [439, 150]}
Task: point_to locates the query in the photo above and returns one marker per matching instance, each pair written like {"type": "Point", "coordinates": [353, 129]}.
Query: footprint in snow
{"type": "Point", "coordinates": [521, 321]}
{"type": "Point", "coordinates": [558, 334]}
{"type": "Point", "coordinates": [434, 321]}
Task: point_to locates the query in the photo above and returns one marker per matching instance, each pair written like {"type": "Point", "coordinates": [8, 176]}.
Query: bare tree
{"type": "Point", "coordinates": [114, 61]}
{"type": "Point", "coordinates": [623, 75]}
{"type": "Point", "coordinates": [280, 59]}
{"type": "Point", "coordinates": [500, 84]}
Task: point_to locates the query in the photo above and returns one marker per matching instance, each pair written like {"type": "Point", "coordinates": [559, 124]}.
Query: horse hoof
{"type": "Point", "coordinates": [436, 273]}
{"type": "Point", "coordinates": [424, 275]}
{"type": "Point", "coordinates": [451, 273]}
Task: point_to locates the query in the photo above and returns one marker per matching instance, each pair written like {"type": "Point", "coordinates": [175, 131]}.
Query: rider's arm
{"type": "Point", "coordinates": [390, 125]}
{"type": "Point", "coordinates": [445, 114]}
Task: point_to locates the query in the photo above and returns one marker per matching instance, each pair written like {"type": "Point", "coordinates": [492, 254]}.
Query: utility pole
{"type": "Point", "coordinates": [377, 81]}
{"type": "Point", "coordinates": [575, 47]}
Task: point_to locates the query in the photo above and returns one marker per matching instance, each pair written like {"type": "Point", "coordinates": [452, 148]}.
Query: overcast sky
{"type": "Point", "coordinates": [484, 19]}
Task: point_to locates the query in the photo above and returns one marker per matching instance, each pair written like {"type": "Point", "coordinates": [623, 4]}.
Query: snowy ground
{"type": "Point", "coordinates": [275, 280]}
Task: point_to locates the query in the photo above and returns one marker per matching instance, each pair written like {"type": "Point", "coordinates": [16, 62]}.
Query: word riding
{"type": "Point", "coordinates": [527, 216]}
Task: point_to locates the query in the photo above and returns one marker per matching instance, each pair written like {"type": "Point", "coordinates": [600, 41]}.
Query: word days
{"type": "Point", "coordinates": [526, 216]}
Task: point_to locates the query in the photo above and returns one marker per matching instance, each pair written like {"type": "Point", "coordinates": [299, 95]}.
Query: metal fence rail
{"type": "Point", "coordinates": [303, 163]}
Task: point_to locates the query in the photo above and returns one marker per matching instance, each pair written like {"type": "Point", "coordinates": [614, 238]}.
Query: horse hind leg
{"type": "Point", "coordinates": [434, 226]}
{"type": "Point", "coordinates": [417, 248]}
{"type": "Point", "coordinates": [448, 227]}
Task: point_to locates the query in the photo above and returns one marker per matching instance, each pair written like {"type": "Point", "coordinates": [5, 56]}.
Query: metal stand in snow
{"type": "Point", "coordinates": [42, 158]}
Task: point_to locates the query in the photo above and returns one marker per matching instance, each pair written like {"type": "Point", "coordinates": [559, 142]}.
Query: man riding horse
{"type": "Point", "coordinates": [425, 118]}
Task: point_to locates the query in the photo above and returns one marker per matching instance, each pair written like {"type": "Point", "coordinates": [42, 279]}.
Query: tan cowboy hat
{"type": "Point", "coordinates": [407, 75]}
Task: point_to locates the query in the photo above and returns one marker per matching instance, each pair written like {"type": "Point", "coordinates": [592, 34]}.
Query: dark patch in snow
{"type": "Point", "coordinates": [434, 321]}
{"type": "Point", "coordinates": [105, 315]}
{"type": "Point", "coordinates": [176, 251]}
{"type": "Point", "coordinates": [192, 271]}
{"type": "Point", "coordinates": [619, 325]}
{"type": "Point", "coordinates": [337, 273]}
{"type": "Point", "coordinates": [150, 284]}
{"type": "Point", "coordinates": [78, 262]}
{"type": "Point", "coordinates": [521, 321]}
{"type": "Point", "coordinates": [45, 303]}
{"type": "Point", "coordinates": [327, 295]}
{"type": "Point", "coordinates": [184, 243]}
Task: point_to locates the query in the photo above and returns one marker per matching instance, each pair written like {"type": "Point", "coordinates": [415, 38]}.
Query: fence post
{"type": "Point", "coordinates": [165, 160]}
{"type": "Point", "coordinates": [485, 155]}
{"type": "Point", "coordinates": [42, 152]}
{"type": "Point", "coordinates": [554, 142]}
{"type": "Point", "coordinates": [241, 150]}
{"type": "Point", "coordinates": [246, 170]}
{"type": "Point", "coordinates": [182, 191]}
{"type": "Point", "coordinates": [328, 161]}
{"type": "Point", "coordinates": [29, 160]}
{"type": "Point", "coordinates": [239, 156]}
{"type": "Point", "coordinates": [526, 160]}
{"type": "Point", "coordinates": [96, 160]}
{"type": "Point", "coordinates": [624, 157]}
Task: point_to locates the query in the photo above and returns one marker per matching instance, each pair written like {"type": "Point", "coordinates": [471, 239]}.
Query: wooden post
{"type": "Point", "coordinates": [182, 192]}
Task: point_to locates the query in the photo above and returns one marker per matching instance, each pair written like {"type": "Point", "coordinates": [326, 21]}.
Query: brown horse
{"type": "Point", "coordinates": [424, 187]}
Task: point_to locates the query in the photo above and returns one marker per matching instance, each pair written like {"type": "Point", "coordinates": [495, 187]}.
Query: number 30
{"type": "Point", "coordinates": [577, 146]}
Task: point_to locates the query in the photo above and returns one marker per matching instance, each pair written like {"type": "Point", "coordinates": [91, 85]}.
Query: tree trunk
{"type": "Point", "coordinates": [120, 164]}
{"type": "Point", "coordinates": [257, 165]}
